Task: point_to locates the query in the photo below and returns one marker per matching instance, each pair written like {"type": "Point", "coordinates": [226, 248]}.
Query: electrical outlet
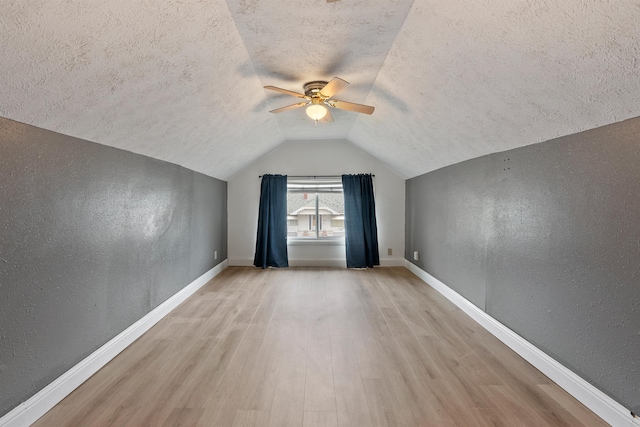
{"type": "Point", "coordinates": [215, 254]}
{"type": "Point", "coordinates": [416, 255]}
{"type": "Point", "coordinates": [389, 251]}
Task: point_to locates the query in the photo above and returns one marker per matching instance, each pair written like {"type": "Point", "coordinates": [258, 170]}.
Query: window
{"type": "Point", "coordinates": [315, 208]}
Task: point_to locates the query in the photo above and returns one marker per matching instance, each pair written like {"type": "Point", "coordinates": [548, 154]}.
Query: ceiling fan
{"type": "Point", "coordinates": [318, 96]}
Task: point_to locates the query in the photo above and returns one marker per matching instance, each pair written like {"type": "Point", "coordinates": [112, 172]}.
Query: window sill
{"type": "Point", "coordinates": [336, 241]}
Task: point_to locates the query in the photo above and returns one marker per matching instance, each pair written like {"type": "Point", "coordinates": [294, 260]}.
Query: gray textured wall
{"type": "Point", "coordinates": [546, 239]}
{"type": "Point", "coordinates": [92, 238]}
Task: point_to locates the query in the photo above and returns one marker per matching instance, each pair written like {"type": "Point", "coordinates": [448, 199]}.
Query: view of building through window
{"type": "Point", "coordinates": [315, 214]}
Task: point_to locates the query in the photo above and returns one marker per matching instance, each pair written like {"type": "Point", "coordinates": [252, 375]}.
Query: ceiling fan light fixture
{"type": "Point", "coordinates": [316, 111]}
{"type": "Point", "coordinates": [319, 95]}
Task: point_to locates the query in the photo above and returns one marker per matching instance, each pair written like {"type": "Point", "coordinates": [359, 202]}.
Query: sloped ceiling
{"type": "Point", "coordinates": [477, 77]}
{"type": "Point", "coordinates": [182, 81]}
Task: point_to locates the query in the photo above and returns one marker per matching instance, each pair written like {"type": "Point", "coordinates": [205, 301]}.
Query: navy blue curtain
{"type": "Point", "coordinates": [361, 230]}
{"type": "Point", "coordinates": [271, 243]}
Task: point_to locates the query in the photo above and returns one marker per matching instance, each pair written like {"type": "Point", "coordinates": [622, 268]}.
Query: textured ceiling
{"type": "Point", "coordinates": [182, 80]}
{"type": "Point", "coordinates": [476, 77]}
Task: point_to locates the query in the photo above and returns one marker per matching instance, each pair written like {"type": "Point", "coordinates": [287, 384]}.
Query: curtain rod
{"type": "Point", "coordinates": [313, 176]}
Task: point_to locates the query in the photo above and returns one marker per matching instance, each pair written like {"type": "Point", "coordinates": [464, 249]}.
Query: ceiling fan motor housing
{"type": "Point", "coordinates": [313, 89]}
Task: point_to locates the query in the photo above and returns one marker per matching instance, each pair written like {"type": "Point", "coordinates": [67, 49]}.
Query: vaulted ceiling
{"type": "Point", "coordinates": [182, 80]}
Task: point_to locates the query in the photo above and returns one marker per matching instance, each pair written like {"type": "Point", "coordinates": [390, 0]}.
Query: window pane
{"type": "Point", "coordinates": [331, 211]}
{"type": "Point", "coordinates": [301, 211]}
{"type": "Point", "coordinates": [304, 219]}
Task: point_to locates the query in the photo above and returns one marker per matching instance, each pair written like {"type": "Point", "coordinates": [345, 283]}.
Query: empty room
{"type": "Point", "coordinates": [319, 214]}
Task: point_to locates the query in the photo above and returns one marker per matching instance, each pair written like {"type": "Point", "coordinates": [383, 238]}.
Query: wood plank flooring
{"type": "Point", "coordinates": [311, 347]}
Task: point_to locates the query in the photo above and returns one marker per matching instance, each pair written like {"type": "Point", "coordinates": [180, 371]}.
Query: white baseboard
{"type": "Point", "coordinates": [320, 262]}
{"type": "Point", "coordinates": [297, 262]}
{"type": "Point", "coordinates": [391, 262]}
{"type": "Point", "coordinates": [28, 412]}
{"type": "Point", "coordinates": [339, 262]}
{"type": "Point", "coordinates": [240, 262]}
{"type": "Point", "coordinates": [601, 404]}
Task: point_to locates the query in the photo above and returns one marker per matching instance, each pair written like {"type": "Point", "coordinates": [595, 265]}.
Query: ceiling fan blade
{"type": "Point", "coordinates": [351, 106]}
{"type": "Point", "coordinates": [289, 107]}
{"type": "Point", "coordinates": [334, 86]}
{"type": "Point", "coordinates": [328, 118]}
{"type": "Point", "coordinates": [285, 91]}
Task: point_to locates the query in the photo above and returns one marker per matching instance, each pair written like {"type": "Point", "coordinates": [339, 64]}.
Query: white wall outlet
{"type": "Point", "coordinates": [416, 256]}
{"type": "Point", "coordinates": [389, 251]}
{"type": "Point", "coordinates": [215, 254]}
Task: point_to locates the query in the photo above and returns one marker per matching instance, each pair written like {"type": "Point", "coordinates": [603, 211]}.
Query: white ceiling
{"type": "Point", "coordinates": [451, 80]}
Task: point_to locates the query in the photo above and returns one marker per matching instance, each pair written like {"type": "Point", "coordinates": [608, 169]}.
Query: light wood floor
{"type": "Point", "coordinates": [318, 347]}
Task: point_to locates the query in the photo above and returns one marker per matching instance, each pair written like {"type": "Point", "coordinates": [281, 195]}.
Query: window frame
{"type": "Point", "coordinates": [317, 238]}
